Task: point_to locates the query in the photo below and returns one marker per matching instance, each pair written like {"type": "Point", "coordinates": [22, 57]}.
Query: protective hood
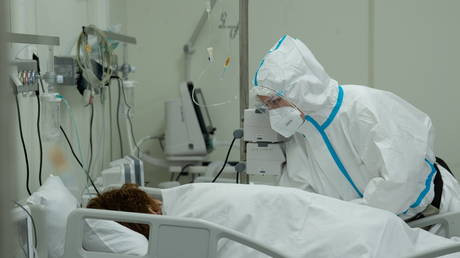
{"type": "Point", "coordinates": [292, 71]}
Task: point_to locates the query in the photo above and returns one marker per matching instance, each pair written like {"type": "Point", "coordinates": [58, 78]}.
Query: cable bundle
{"type": "Point", "coordinates": [84, 60]}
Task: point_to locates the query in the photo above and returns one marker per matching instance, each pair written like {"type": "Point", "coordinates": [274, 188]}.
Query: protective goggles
{"type": "Point", "coordinates": [268, 99]}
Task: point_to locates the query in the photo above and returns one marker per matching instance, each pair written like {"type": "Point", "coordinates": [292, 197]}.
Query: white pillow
{"type": "Point", "coordinates": [58, 203]}
{"type": "Point", "coordinates": [110, 237]}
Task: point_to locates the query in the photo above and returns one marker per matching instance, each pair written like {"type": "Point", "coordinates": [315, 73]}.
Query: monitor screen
{"type": "Point", "coordinates": [202, 114]}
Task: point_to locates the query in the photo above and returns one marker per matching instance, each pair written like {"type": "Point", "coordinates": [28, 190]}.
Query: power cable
{"type": "Point", "coordinates": [182, 171]}
{"type": "Point", "coordinates": [78, 160]}
{"type": "Point", "coordinates": [40, 169]}
{"type": "Point", "coordinates": [91, 120]}
{"type": "Point", "coordinates": [37, 93]}
{"type": "Point", "coordinates": [118, 122]}
{"type": "Point", "coordinates": [23, 147]}
{"type": "Point", "coordinates": [128, 114]}
{"type": "Point", "coordinates": [226, 160]}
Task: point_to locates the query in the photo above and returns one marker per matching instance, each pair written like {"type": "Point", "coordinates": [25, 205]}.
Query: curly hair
{"type": "Point", "coordinates": [128, 198]}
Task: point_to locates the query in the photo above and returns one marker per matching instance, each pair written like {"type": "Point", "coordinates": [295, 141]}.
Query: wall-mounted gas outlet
{"type": "Point", "coordinates": [25, 75]}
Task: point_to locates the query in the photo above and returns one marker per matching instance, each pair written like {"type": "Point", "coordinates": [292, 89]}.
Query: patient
{"type": "Point", "coordinates": [128, 198]}
{"type": "Point", "coordinates": [296, 222]}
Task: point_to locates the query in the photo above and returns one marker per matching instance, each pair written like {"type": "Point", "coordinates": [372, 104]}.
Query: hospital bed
{"type": "Point", "coordinates": [173, 237]}
{"type": "Point", "coordinates": [192, 238]}
{"type": "Point", "coordinates": [170, 237]}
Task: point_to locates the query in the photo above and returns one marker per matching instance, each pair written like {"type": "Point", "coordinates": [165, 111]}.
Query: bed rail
{"type": "Point", "coordinates": [451, 222]}
{"type": "Point", "coordinates": [39, 214]}
{"type": "Point", "coordinates": [169, 237]}
{"type": "Point", "coordinates": [437, 252]}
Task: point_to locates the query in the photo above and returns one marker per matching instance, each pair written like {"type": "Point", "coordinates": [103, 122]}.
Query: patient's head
{"type": "Point", "coordinates": [128, 198]}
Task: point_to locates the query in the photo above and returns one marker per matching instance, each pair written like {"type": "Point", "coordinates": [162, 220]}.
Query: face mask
{"type": "Point", "coordinates": [285, 120]}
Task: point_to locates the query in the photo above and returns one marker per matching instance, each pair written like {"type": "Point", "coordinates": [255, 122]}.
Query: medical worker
{"type": "Point", "coordinates": [351, 142]}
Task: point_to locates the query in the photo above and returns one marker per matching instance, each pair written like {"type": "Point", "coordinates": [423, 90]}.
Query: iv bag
{"type": "Point", "coordinates": [51, 116]}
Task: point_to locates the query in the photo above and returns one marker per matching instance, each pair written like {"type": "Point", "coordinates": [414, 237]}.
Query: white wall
{"type": "Point", "coordinates": [336, 31]}
{"type": "Point", "coordinates": [162, 28]}
{"type": "Point", "coordinates": [407, 47]}
{"type": "Point", "coordinates": [416, 56]}
{"type": "Point", "coordinates": [63, 19]}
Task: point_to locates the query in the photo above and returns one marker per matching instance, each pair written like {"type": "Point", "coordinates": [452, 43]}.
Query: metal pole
{"type": "Point", "coordinates": [200, 25]}
{"type": "Point", "coordinates": [244, 71]}
{"type": "Point", "coordinates": [112, 35]}
{"type": "Point", "coordinates": [7, 148]}
{"type": "Point", "coordinates": [188, 47]}
{"type": "Point", "coordinates": [125, 66]}
{"type": "Point", "coordinates": [187, 67]}
{"type": "Point", "coordinates": [50, 75]}
{"type": "Point", "coordinates": [33, 39]}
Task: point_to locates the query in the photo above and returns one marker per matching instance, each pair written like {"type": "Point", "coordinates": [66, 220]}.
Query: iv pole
{"type": "Point", "coordinates": [244, 62]}
{"type": "Point", "coordinates": [188, 47]}
{"type": "Point", "coordinates": [244, 73]}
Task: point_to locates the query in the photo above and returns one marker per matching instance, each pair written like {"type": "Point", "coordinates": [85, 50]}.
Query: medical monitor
{"type": "Point", "coordinates": [202, 114]}
{"type": "Point", "coordinates": [189, 129]}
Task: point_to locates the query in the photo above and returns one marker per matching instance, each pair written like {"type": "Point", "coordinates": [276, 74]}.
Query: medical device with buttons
{"type": "Point", "coordinates": [264, 154]}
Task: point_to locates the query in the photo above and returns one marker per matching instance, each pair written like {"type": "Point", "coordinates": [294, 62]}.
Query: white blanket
{"type": "Point", "coordinates": [298, 223]}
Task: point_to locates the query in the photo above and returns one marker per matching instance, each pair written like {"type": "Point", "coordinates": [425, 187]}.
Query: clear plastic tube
{"type": "Point", "coordinates": [104, 130]}
{"type": "Point", "coordinates": [99, 160]}
{"type": "Point", "coordinates": [195, 101]}
{"type": "Point", "coordinates": [199, 82]}
{"type": "Point", "coordinates": [219, 57]}
{"type": "Point", "coordinates": [129, 87]}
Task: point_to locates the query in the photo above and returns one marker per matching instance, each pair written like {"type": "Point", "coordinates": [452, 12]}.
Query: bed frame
{"type": "Point", "coordinates": [450, 221]}
{"type": "Point", "coordinates": [39, 216]}
{"type": "Point", "coordinates": [193, 238]}
{"type": "Point", "coordinates": [169, 237]}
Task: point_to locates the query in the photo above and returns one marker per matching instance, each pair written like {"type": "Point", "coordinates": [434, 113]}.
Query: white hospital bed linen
{"type": "Point", "coordinates": [296, 222]}
{"type": "Point", "coordinates": [57, 202]}
{"type": "Point", "coordinates": [110, 237]}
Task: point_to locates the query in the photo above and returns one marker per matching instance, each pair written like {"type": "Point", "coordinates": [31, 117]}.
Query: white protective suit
{"type": "Point", "coordinates": [357, 143]}
{"type": "Point", "coordinates": [298, 223]}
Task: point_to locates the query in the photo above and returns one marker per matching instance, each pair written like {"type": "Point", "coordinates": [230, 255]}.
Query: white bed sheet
{"type": "Point", "coordinates": [298, 223]}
